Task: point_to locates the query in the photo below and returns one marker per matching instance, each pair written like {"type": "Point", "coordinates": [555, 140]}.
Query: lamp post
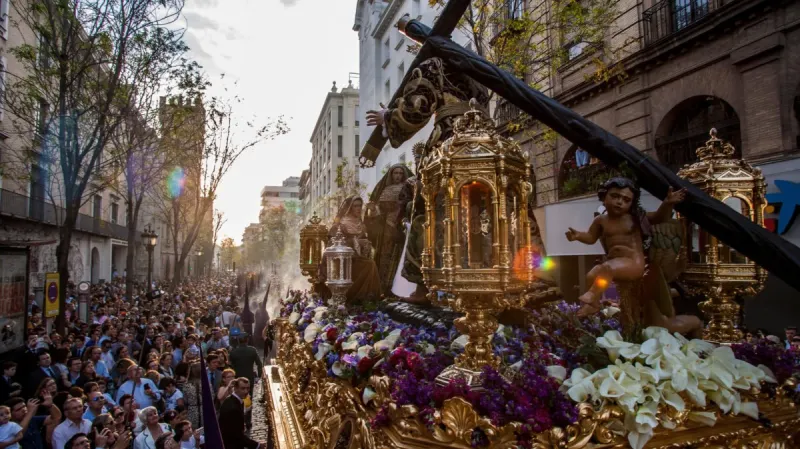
{"type": "Point", "coordinates": [150, 239]}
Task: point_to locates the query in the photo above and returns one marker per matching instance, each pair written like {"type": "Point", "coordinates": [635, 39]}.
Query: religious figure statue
{"type": "Point", "coordinates": [435, 90]}
{"type": "Point", "coordinates": [366, 283]}
{"type": "Point", "coordinates": [625, 231]}
{"type": "Point", "coordinates": [385, 212]}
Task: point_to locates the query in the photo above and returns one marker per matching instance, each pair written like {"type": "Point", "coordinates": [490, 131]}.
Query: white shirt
{"type": "Point", "coordinates": [10, 429]}
{"type": "Point", "coordinates": [192, 444]}
{"type": "Point", "coordinates": [172, 401]}
{"type": "Point", "coordinates": [67, 430]}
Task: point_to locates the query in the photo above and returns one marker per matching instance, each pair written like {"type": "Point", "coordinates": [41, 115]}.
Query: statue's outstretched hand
{"type": "Point", "coordinates": [675, 196]}
{"type": "Point", "coordinates": [375, 118]}
{"type": "Point", "coordinates": [571, 234]}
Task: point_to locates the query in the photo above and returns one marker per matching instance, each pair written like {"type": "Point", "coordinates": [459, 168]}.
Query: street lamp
{"type": "Point", "coordinates": [150, 239]}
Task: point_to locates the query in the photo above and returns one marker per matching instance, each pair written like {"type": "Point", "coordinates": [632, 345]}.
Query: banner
{"type": "Point", "coordinates": [51, 291]}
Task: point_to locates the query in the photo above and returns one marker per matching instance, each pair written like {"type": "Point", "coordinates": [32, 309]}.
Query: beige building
{"type": "Point", "coordinates": [684, 66]}
{"type": "Point", "coordinates": [288, 193]}
{"type": "Point", "coordinates": [334, 142]}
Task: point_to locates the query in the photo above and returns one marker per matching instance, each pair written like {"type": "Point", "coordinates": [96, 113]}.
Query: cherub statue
{"type": "Point", "coordinates": [626, 231]}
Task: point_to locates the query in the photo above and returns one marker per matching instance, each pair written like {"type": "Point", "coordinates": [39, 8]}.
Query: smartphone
{"type": "Point", "coordinates": [201, 430]}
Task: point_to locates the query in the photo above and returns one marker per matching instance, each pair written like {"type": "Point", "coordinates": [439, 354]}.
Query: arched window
{"type": "Point", "coordinates": [685, 128]}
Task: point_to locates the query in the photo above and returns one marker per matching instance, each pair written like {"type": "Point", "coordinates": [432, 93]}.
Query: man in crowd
{"type": "Point", "coordinates": [231, 418]}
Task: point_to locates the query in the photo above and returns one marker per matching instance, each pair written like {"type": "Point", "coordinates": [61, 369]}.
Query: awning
{"type": "Point", "coordinates": [577, 214]}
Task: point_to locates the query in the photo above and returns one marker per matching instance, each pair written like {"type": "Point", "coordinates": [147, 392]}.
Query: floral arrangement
{"type": "Point", "coordinates": [546, 368]}
{"type": "Point", "coordinates": [660, 373]}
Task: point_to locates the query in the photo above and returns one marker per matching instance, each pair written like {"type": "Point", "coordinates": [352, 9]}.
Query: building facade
{"type": "Point", "coordinates": [286, 193]}
{"type": "Point", "coordinates": [335, 147]}
{"type": "Point", "coordinates": [687, 67]}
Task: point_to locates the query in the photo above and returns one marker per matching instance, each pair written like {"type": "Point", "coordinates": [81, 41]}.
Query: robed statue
{"type": "Point", "coordinates": [385, 225]}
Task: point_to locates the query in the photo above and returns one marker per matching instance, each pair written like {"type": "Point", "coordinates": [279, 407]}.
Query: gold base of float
{"type": "Point", "coordinates": [309, 410]}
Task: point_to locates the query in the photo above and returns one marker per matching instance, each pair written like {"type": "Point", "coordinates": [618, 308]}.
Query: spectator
{"type": "Point", "coordinates": [144, 391]}
{"type": "Point", "coordinates": [73, 425]}
{"type": "Point", "coordinates": [791, 332]}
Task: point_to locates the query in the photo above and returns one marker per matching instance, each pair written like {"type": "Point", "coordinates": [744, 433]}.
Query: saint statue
{"type": "Point", "coordinates": [435, 91]}
{"type": "Point", "coordinates": [385, 213]}
{"type": "Point", "coordinates": [625, 231]}
{"type": "Point", "coordinates": [366, 283]}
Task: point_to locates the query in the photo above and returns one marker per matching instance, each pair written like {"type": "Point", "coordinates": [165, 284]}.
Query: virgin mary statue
{"type": "Point", "coordinates": [366, 283]}
{"type": "Point", "coordinates": [385, 212]}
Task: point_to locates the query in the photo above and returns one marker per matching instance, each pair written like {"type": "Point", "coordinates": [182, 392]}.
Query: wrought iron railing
{"type": "Point", "coordinates": [679, 149]}
{"type": "Point", "coordinates": [41, 210]}
{"type": "Point", "coordinates": [506, 112]}
{"type": "Point", "coordinates": [576, 181]}
{"type": "Point", "coordinates": [671, 16]}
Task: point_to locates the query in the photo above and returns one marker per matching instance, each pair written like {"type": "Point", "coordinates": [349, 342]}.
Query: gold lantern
{"type": "Point", "coordinates": [714, 270]}
{"type": "Point", "coordinates": [477, 233]}
{"type": "Point", "coordinates": [313, 237]}
{"type": "Point", "coordinates": [339, 258]}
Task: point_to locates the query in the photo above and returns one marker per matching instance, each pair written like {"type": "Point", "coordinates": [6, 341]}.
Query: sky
{"type": "Point", "coordinates": [283, 56]}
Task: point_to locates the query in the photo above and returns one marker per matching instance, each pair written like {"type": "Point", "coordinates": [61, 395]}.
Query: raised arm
{"type": "Point", "coordinates": [589, 237]}
{"type": "Point", "coordinates": [664, 211]}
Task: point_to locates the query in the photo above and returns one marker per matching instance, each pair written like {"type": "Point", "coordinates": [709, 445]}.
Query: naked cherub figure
{"type": "Point", "coordinates": [624, 232]}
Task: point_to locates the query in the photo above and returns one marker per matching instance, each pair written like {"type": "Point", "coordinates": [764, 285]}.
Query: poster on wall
{"type": "Point", "coordinates": [12, 300]}
{"type": "Point", "coordinates": [51, 288]}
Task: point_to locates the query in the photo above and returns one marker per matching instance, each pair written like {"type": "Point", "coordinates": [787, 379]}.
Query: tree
{"type": "Point", "coordinates": [228, 252]}
{"type": "Point", "coordinates": [221, 138]}
{"type": "Point", "coordinates": [135, 146]}
{"type": "Point", "coordinates": [532, 39]}
{"type": "Point", "coordinates": [347, 185]}
{"type": "Point", "coordinates": [280, 225]}
{"type": "Point", "coordinates": [88, 56]}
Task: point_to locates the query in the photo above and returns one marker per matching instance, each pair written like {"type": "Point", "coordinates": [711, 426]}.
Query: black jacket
{"type": "Point", "coordinates": [242, 359]}
{"type": "Point", "coordinates": [231, 425]}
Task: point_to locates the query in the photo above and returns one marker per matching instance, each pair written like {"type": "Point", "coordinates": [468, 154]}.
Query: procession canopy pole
{"type": "Point", "coordinates": [734, 229]}
{"type": "Point", "coordinates": [444, 26]}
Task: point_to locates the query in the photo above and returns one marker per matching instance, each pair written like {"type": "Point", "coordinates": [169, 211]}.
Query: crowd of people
{"type": "Point", "coordinates": [129, 376]}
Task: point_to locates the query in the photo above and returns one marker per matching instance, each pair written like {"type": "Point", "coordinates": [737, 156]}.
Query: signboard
{"type": "Point", "coordinates": [51, 289]}
{"type": "Point", "coordinates": [13, 297]}
{"type": "Point", "coordinates": [786, 203]}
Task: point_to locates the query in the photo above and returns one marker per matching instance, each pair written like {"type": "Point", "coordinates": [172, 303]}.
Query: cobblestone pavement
{"type": "Point", "coordinates": [260, 429]}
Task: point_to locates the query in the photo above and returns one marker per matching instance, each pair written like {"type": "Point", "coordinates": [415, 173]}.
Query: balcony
{"type": "Point", "coordinates": [39, 210]}
{"type": "Point", "coordinates": [506, 112]}
{"type": "Point", "coordinates": [668, 17]}
{"type": "Point", "coordinates": [574, 181]}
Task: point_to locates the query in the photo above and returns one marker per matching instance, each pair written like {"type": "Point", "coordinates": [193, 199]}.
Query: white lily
{"type": "Point", "coordinates": [364, 351]}
{"type": "Point", "coordinates": [310, 334]}
{"type": "Point", "coordinates": [459, 343]}
{"type": "Point", "coordinates": [368, 395]}
{"type": "Point", "coordinates": [294, 317]}
{"type": "Point", "coordinates": [384, 345]}
{"type": "Point", "coordinates": [613, 343]}
{"type": "Point", "coordinates": [319, 312]}
{"type": "Point", "coordinates": [322, 350]}
{"type": "Point", "coordinates": [350, 345]}
{"type": "Point", "coordinates": [557, 372]}
{"type": "Point", "coordinates": [610, 311]}
{"type": "Point", "coordinates": [707, 418]}
{"type": "Point", "coordinates": [769, 376]}
{"type": "Point", "coordinates": [338, 368]}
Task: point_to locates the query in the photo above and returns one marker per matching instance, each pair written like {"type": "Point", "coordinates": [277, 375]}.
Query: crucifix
{"type": "Point", "coordinates": [766, 249]}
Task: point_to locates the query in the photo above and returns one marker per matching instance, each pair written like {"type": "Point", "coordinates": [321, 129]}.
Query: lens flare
{"type": "Point", "coordinates": [176, 181]}
{"type": "Point", "coordinates": [601, 282]}
{"type": "Point", "coordinates": [547, 264]}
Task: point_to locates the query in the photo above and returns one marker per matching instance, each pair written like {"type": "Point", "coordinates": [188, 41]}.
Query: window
{"type": "Point", "coordinates": [339, 145]}
{"type": "Point", "coordinates": [387, 92]}
{"type": "Point", "coordinates": [114, 213]}
{"type": "Point", "coordinates": [40, 118]}
{"type": "Point", "coordinates": [4, 18]}
{"type": "Point", "coordinates": [358, 145]}
{"type": "Point", "coordinates": [37, 193]}
{"type": "Point", "coordinates": [386, 53]}
{"type": "Point", "coordinates": [515, 8]}
{"type": "Point", "coordinates": [689, 11]}
{"type": "Point", "coordinates": [340, 115]}
{"type": "Point", "coordinates": [575, 49]}
{"type": "Point", "coordinates": [415, 9]}
{"type": "Point", "coordinates": [403, 158]}
{"type": "Point", "coordinates": [401, 72]}
{"type": "Point", "coordinates": [42, 56]}
{"type": "Point", "coordinates": [97, 206]}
